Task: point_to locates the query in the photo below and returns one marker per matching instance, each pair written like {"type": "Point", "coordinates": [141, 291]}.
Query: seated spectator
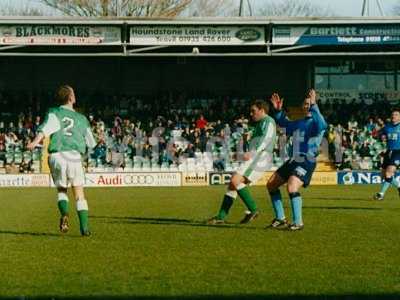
{"type": "Point", "coordinates": [12, 168]}
{"type": "Point", "coordinates": [100, 152]}
{"type": "Point", "coordinates": [201, 122]}
{"type": "Point", "coordinates": [26, 167]}
{"type": "Point", "coordinates": [2, 153]}
{"type": "Point", "coordinates": [364, 150]}
{"type": "Point", "coordinates": [189, 151]}
{"type": "Point", "coordinates": [117, 153]}
{"type": "Point", "coordinates": [371, 125]}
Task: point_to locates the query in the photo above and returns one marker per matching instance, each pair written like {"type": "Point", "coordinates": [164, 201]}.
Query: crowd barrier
{"type": "Point", "coordinates": [176, 179]}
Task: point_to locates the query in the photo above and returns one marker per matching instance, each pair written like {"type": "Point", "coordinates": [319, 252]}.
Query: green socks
{"type": "Point", "coordinates": [81, 207]}
{"type": "Point", "coordinates": [83, 215]}
{"type": "Point", "coordinates": [225, 206]}
{"type": "Point", "coordinates": [244, 193]}
{"type": "Point", "coordinates": [230, 196]}
{"type": "Point", "coordinates": [63, 204]}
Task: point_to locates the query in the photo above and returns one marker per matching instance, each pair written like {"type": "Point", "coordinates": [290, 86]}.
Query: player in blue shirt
{"type": "Point", "coordinates": [392, 155]}
{"type": "Point", "coordinates": [297, 171]}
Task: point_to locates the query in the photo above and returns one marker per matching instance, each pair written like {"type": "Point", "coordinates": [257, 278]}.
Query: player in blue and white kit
{"type": "Point", "coordinates": [392, 155]}
{"type": "Point", "coordinates": [297, 171]}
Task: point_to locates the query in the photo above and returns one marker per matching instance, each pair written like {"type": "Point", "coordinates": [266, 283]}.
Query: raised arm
{"type": "Point", "coordinates": [280, 117]}
{"type": "Point", "coordinates": [318, 118]}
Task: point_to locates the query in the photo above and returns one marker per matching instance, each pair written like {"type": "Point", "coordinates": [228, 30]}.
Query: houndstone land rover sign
{"type": "Point", "coordinates": [59, 34]}
{"type": "Point", "coordinates": [197, 35]}
{"type": "Point", "coordinates": [336, 35]}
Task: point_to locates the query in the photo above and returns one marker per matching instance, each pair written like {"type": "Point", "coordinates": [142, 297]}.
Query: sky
{"type": "Point", "coordinates": [339, 7]}
{"type": "Point", "coordinates": [353, 7]}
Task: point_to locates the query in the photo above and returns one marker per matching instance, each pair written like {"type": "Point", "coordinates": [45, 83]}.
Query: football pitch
{"type": "Point", "coordinates": [153, 243]}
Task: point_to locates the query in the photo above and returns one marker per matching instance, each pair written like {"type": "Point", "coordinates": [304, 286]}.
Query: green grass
{"type": "Point", "coordinates": [153, 242]}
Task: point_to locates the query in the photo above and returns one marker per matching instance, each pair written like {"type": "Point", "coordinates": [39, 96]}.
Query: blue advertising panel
{"type": "Point", "coordinates": [362, 177]}
{"type": "Point", "coordinates": [336, 34]}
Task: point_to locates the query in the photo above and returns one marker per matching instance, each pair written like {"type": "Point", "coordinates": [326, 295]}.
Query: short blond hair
{"type": "Point", "coordinates": [63, 93]}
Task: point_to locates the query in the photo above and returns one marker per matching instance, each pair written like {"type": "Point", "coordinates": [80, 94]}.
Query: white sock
{"type": "Point", "coordinates": [82, 205]}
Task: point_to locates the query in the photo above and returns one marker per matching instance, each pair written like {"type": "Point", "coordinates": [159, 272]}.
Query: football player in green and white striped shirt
{"type": "Point", "coordinates": [257, 161]}
{"type": "Point", "coordinates": [70, 136]}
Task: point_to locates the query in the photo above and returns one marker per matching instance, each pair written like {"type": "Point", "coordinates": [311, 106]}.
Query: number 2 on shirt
{"type": "Point", "coordinates": [68, 125]}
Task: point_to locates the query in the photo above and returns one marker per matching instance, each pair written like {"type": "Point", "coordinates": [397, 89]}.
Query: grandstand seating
{"type": "Point", "coordinates": [202, 161]}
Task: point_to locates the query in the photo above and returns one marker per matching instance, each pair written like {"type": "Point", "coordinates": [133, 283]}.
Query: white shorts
{"type": "Point", "coordinates": [65, 170]}
{"type": "Point", "coordinates": [255, 168]}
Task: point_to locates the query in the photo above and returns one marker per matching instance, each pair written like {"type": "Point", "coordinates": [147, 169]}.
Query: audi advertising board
{"type": "Point", "coordinates": [133, 179]}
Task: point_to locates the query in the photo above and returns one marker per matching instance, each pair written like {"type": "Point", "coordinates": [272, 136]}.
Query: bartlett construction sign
{"type": "Point", "coordinates": [59, 34]}
{"type": "Point", "coordinates": [336, 35]}
{"type": "Point", "coordinates": [197, 35]}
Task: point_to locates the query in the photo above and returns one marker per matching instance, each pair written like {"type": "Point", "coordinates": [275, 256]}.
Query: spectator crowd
{"type": "Point", "coordinates": [179, 132]}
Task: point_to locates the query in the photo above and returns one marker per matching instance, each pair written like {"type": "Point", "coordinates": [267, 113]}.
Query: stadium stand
{"type": "Point", "coordinates": [127, 134]}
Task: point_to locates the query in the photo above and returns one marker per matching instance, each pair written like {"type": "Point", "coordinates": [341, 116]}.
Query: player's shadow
{"type": "Point", "coordinates": [37, 234]}
{"type": "Point", "coordinates": [341, 199]}
{"type": "Point", "coordinates": [167, 221]}
{"type": "Point", "coordinates": [342, 208]}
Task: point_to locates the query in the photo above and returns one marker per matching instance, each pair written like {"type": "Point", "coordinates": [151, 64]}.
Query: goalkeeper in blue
{"type": "Point", "coordinates": [296, 172]}
{"type": "Point", "coordinates": [70, 136]}
{"type": "Point", "coordinates": [391, 159]}
{"type": "Point", "coordinates": [256, 162]}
